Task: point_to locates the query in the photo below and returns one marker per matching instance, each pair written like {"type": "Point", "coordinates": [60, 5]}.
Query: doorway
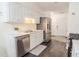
{"type": "Point", "coordinates": [59, 24]}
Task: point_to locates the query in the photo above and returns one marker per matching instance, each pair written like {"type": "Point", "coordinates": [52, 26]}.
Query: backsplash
{"type": "Point", "coordinates": [25, 27]}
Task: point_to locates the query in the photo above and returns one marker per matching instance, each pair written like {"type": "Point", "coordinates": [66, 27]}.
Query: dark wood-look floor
{"type": "Point", "coordinates": [54, 49]}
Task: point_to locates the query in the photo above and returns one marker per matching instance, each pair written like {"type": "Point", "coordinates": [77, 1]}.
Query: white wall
{"type": "Point", "coordinates": [46, 14]}
{"type": "Point", "coordinates": [59, 24]}
{"type": "Point", "coordinates": [73, 21]}
{"type": "Point", "coordinates": [3, 18]}
{"type": "Point", "coordinates": [57, 19]}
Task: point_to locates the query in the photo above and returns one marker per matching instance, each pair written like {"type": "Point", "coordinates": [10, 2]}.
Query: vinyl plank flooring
{"type": "Point", "coordinates": [54, 49]}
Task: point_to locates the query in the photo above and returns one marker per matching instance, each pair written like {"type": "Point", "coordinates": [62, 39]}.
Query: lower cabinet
{"type": "Point", "coordinates": [27, 42]}
{"type": "Point", "coordinates": [36, 38]}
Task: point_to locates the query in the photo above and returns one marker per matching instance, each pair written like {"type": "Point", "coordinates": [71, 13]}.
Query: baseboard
{"type": "Point", "coordinates": [58, 36]}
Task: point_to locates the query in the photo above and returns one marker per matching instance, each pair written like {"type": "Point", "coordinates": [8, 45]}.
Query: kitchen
{"type": "Point", "coordinates": [19, 26]}
{"type": "Point", "coordinates": [36, 27]}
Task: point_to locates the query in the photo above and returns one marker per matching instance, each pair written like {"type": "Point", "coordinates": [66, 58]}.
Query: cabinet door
{"type": "Point", "coordinates": [4, 12]}
{"type": "Point", "coordinates": [31, 14]}
{"type": "Point", "coordinates": [37, 17]}
{"type": "Point", "coordinates": [16, 12]}
{"type": "Point", "coordinates": [36, 38]}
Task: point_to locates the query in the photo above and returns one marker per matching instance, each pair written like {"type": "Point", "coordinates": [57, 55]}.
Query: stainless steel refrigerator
{"type": "Point", "coordinates": [45, 25]}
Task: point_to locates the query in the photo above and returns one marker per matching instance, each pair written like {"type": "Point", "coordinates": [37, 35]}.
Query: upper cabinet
{"type": "Point", "coordinates": [4, 12]}
{"type": "Point", "coordinates": [15, 12]}
{"type": "Point", "coordinates": [18, 13]}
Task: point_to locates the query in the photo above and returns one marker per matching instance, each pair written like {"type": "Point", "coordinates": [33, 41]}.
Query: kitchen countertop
{"type": "Point", "coordinates": [18, 33]}
{"type": "Point", "coordinates": [21, 34]}
{"type": "Point", "coordinates": [25, 33]}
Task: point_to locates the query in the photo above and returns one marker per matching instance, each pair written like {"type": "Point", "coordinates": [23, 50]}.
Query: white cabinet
{"type": "Point", "coordinates": [15, 12]}
{"type": "Point", "coordinates": [37, 18]}
{"type": "Point", "coordinates": [11, 12]}
{"type": "Point", "coordinates": [18, 13]}
{"type": "Point", "coordinates": [4, 12]}
{"type": "Point", "coordinates": [36, 38]}
{"type": "Point", "coordinates": [32, 14]}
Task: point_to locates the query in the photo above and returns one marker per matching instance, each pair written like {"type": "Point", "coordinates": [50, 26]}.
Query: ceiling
{"type": "Point", "coordinates": [48, 6]}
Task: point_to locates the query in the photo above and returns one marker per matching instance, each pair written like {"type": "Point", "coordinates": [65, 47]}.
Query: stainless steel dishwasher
{"type": "Point", "coordinates": [23, 44]}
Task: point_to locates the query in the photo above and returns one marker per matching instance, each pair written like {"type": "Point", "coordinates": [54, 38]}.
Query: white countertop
{"type": "Point", "coordinates": [25, 33]}
{"type": "Point", "coordinates": [20, 34]}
